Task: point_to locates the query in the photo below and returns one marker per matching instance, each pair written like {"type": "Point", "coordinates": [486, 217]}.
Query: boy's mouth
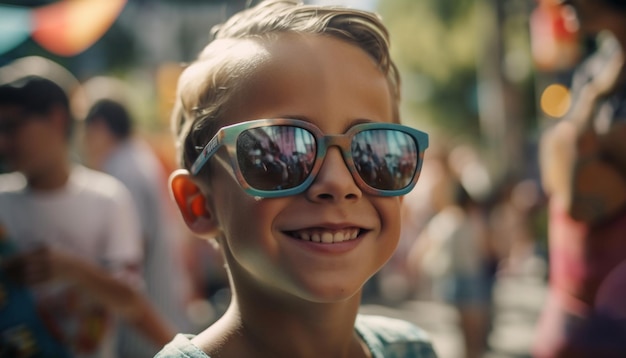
{"type": "Point", "coordinates": [326, 236]}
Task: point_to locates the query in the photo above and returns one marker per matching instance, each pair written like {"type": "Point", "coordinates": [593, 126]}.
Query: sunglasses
{"type": "Point", "coordinates": [281, 157]}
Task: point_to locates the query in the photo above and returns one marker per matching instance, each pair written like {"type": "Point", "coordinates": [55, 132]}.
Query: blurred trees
{"type": "Point", "coordinates": [467, 73]}
{"type": "Point", "coordinates": [434, 44]}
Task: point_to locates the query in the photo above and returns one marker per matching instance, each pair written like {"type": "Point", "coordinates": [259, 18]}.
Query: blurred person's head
{"type": "Point", "coordinates": [107, 124]}
{"type": "Point", "coordinates": [35, 126]}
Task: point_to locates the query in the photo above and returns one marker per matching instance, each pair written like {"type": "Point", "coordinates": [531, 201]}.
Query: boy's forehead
{"type": "Point", "coordinates": [300, 70]}
{"type": "Point", "coordinates": [250, 54]}
{"type": "Point", "coordinates": [311, 47]}
{"type": "Point", "coordinates": [317, 54]}
{"type": "Point", "coordinates": [311, 53]}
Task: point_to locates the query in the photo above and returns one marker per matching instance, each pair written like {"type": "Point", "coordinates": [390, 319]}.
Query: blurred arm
{"type": "Point", "coordinates": [574, 159]}
{"type": "Point", "coordinates": [113, 293]}
{"type": "Point", "coordinates": [46, 264]}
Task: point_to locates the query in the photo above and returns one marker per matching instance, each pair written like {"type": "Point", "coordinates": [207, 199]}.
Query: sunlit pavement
{"type": "Point", "coordinates": [518, 301]}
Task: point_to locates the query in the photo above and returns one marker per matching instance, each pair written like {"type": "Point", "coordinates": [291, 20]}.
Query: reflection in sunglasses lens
{"type": "Point", "coordinates": [281, 157]}
{"type": "Point", "coordinates": [385, 159]}
{"type": "Point", "coordinates": [276, 157]}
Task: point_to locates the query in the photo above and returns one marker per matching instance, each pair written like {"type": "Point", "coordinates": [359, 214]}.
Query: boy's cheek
{"type": "Point", "coordinates": [390, 212]}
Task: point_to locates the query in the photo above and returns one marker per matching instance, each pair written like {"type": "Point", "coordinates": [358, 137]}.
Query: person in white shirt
{"type": "Point", "coordinates": [75, 230]}
{"type": "Point", "coordinates": [111, 146]}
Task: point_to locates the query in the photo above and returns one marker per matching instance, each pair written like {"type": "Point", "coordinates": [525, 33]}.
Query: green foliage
{"type": "Point", "coordinates": [435, 44]}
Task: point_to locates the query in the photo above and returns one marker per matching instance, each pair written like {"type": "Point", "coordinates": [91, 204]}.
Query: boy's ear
{"type": "Point", "coordinates": [192, 204]}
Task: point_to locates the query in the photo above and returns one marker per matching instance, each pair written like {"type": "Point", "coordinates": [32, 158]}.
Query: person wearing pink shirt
{"type": "Point", "coordinates": [583, 165]}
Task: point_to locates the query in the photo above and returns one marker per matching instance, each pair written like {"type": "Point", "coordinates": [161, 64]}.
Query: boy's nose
{"type": "Point", "coordinates": [334, 182]}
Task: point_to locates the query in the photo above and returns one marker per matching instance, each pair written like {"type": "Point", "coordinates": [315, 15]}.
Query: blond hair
{"type": "Point", "coordinates": [206, 87]}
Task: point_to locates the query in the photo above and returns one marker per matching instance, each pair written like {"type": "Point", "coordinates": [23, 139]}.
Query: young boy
{"type": "Point", "coordinates": [295, 164]}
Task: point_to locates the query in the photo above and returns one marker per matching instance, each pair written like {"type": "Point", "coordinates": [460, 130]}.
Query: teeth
{"type": "Point", "coordinates": [327, 237]}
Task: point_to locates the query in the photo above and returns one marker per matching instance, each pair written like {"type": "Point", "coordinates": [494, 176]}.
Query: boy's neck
{"type": "Point", "coordinates": [257, 326]}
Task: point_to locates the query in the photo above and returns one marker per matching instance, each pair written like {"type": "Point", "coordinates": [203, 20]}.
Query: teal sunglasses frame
{"type": "Point", "coordinates": [227, 137]}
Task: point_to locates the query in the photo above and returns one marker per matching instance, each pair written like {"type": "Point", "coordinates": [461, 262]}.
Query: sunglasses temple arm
{"type": "Point", "coordinates": [205, 155]}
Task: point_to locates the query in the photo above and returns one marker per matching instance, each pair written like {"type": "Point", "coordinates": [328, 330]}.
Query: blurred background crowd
{"type": "Point", "coordinates": [484, 77]}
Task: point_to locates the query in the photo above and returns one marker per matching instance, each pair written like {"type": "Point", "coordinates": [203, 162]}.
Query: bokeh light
{"type": "Point", "coordinates": [555, 100]}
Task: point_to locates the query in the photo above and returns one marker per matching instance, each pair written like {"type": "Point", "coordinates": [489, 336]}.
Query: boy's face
{"type": "Point", "coordinates": [333, 85]}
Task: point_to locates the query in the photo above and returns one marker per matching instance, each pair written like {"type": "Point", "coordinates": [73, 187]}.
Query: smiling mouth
{"type": "Point", "coordinates": [326, 236]}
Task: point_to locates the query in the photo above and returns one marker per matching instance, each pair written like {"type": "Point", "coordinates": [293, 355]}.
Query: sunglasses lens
{"type": "Point", "coordinates": [276, 157]}
{"type": "Point", "coordinates": [386, 159]}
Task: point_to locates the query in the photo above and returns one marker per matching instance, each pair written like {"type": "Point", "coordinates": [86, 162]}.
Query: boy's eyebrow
{"type": "Point", "coordinates": [359, 121]}
{"type": "Point", "coordinates": [352, 123]}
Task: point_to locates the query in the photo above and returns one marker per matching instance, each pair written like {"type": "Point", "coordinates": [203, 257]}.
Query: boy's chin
{"type": "Point", "coordinates": [329, 295]}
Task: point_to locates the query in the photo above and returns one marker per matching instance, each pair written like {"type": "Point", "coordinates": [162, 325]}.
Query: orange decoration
{"type": "Point", "coordinates": [71, 26]}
